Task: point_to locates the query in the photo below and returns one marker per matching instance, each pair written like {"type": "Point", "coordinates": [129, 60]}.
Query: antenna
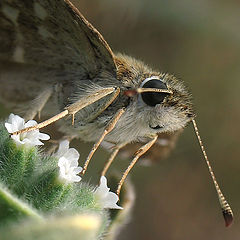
{"type": "Point", "coordinates": [141, 90]}
{"type": "Point", "coordinates": [133, 92]}
{"type": "Point", "coordinates": [226, 209]}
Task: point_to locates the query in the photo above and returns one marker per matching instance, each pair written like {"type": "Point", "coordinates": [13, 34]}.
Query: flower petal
{"type": "Point", "coordinates": [9, 127]}
{"type": "Point", "coordinates": [107, 199]}
{"type": "Point", "coordinates": [102, 189]}
{"type": "Point", "coordinates": [17, 140]}
{"type": "Point", "coordinates": [111, 201]}
{"type": "Point", "coordinates": [76, 178]}
{"type": "Point", "coordinates": [30, 123]}
{"type": "Point", "coordinates": [62, 149]}
{"type": "Point", "coordinates": [15, 119]}
{"type": "Point", "coordinates": [43, 136]}
{"type": "Point", "coordinates": [62, 161]}
{"type": "Point", "coordinates": [77, 170]}
{"type": "Point", "coordinates": [72, 154]}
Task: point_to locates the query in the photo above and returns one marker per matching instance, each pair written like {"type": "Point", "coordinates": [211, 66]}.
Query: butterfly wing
{"type": "Point", "coordinates": [53, 34]}
{"type": "Point", "coordinates": [45, 42]}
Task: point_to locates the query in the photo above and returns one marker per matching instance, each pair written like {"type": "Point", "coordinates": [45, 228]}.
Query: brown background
{"type": "Point", "coordinates": [198, 41]}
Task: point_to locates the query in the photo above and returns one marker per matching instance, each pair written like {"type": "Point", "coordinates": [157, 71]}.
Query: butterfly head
{"type": "Point", "coordinates": [159, 101]}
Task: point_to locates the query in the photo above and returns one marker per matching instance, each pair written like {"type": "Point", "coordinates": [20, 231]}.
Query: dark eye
{"type": "Point", "coordinates": [154, 98]}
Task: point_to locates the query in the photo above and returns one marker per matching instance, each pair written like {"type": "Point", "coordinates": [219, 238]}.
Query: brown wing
{"type": "Point", "coordinates": [48, 41]}
{"type": "Point", "coordinates": [51, 33]}
{"type": "Point", "coordinates": [160, 150]}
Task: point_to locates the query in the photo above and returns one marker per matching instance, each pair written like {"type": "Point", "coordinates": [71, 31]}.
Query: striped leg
{"type": "Point", "coordinates": [107, 130]}
{"type": "Point", "coordinates": [138, 154]}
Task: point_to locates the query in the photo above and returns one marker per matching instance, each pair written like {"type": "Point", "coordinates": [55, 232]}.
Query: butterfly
{"type": "Point", "coordinates": [54, 59]}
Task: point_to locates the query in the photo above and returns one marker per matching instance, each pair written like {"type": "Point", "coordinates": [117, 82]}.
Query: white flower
{"type": "Point", "coordinates": [68, 163]}
{"type": "Point", "coordinates": [107, 199]}
{"type": "Point", "coordinates": [31, 138]}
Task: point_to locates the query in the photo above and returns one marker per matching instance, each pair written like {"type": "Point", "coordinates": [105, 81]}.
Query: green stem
{"type": "Point", "coordinates": [17, 206]}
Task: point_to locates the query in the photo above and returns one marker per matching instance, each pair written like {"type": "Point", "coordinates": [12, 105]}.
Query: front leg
{"type": "Point", "coordinates": [72, 109]}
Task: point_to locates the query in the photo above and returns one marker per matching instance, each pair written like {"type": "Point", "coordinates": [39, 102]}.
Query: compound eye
{"type": "Point", "coordinates": [154, 98]}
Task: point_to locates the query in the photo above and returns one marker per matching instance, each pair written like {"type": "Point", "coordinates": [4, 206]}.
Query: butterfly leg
{"type": "Point", "coordinates": [137, 155]}
{"type": "Point", "coordinates": [37, 104]}
{"type": "Point", "coordinates": [72, 109]}
{"type": "Point", "coordinates": [111, 158]}
{"type": "Point", "coordinates": [107, 130]}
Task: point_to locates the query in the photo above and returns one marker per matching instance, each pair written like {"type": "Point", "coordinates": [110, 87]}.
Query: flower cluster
{"type": "Point", "coordinates": [68, 162]}
{"type": "Point", "coordinates": [67, 159]}
{"type": "Point", "coordinates": [108, 199]}
{"type": "Point", "coordinates": [32, 138]}
{"type": "Point", "coordinates": [69, 170]}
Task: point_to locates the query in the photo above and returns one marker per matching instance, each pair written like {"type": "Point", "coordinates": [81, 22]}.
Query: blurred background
{"type": "Point", "coordinates": [199, 42]}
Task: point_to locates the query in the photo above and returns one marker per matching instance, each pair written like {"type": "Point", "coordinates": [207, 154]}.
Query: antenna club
{"type": "Point", "coordinates": [228, 217]}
